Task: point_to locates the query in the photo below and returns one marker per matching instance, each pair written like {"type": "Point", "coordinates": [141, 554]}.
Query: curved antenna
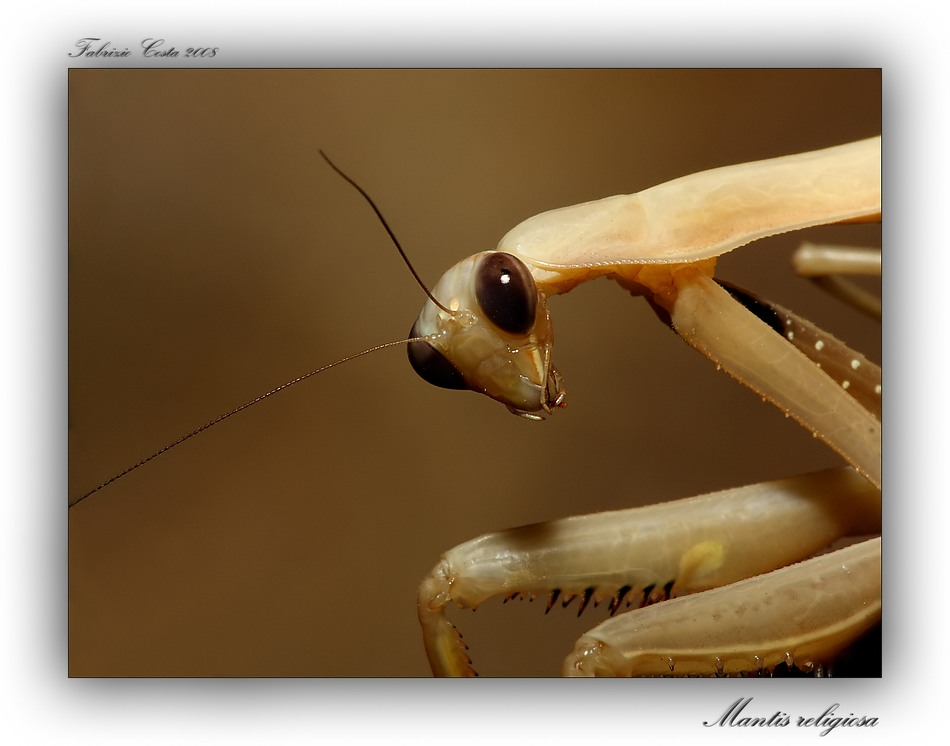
{"type": "Point", "coordinates": [389, 231]}
{"type": "Point", "coordinates": [304, 377]}
{"type": "Point", "coordinates": [241, 408]}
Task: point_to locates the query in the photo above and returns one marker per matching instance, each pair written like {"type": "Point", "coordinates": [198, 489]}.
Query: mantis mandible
{"type": "Point", "coordinates": [678, 284]}
{"type": "Point", "coordinates": [491, 333]}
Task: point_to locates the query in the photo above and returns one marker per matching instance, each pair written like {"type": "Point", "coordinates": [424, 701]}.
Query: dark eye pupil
{"type": "Point", "coordinates": [506, 293]}
{"type": "Point", "coordinates": [432, 366]}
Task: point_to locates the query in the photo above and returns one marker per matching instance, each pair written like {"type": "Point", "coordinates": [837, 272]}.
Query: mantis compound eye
{"type": "Point", "coordinates": [431, 365]}
{"type": "Point", "coordinates": [506, 292]}
{"type": "Point", "coordinates": [489, 332]}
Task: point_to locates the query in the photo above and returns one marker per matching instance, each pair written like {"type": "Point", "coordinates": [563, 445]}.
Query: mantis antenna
{"type": "Point", "coordinates": [299, 379]}
{"type": "Point", "coordinates": [389, 231]}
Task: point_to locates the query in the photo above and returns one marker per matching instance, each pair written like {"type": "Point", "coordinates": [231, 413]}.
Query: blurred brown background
{"type": "Point", "coordinates": [213, 255]}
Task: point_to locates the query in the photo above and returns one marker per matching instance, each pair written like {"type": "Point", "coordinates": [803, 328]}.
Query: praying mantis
{"type": "Point", "coordinates": [227, 558]}
{"type": "Point", "coordinates": [750, 613]}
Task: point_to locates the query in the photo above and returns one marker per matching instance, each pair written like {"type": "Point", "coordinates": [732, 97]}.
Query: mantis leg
{"type": "Point", "coordinates": [826, 265]}
{"type": "Point", "coordinates": [803, 615]}
{"type": "Point", "coordinates": [648, 554]}
{"type": "Point", "coordinates": [720, 327]}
